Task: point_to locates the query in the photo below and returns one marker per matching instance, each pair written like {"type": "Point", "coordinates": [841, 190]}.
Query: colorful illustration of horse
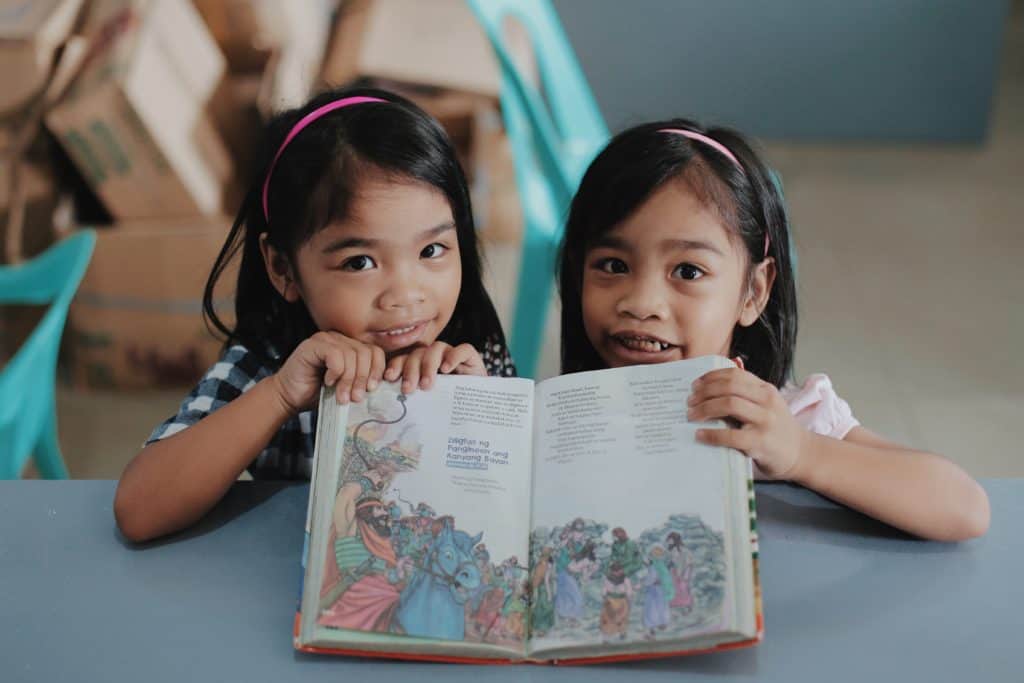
{"type": "Point", "coordinates": [432, 602]}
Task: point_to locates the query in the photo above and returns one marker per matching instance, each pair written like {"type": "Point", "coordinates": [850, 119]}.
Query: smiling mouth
{"type": "Point", "coordinates": [642, 343]}
{"type": "Point", "coordinates": [402, 329]}
{"type": "Point", "coordinates": [395, 332]}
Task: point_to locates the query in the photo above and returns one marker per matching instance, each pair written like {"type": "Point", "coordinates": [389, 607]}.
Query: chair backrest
{"type": "Point", "coordinates": [27, 381]}
{"type": "Point", "coordinates": [566, 127]}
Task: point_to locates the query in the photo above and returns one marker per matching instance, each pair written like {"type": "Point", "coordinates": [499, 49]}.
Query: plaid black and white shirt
{"type": "Point", "coordinates": [289, 455]}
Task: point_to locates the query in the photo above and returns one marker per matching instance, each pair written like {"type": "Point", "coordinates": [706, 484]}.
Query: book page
{"type": "Point", "coordinates": [424, 529]}
{"type": "Point", "coordinates": [630, 514]}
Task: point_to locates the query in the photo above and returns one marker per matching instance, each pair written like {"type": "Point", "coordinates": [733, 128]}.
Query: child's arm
{"type": "Point", "coordinates": [919, 492]}
{"type": "Point", "coordinates": [175, 481]}
{"type": "Point", "coordinates": [916, 491]}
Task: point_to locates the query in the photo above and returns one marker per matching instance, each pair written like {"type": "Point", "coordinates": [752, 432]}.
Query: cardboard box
{"type": "Point", "coordinates": [436, 43]}
{"type": "Point", "coordinates": [31, 31]}
{"type": "Point", "coordinates": [135, 122]}
{"type": "Point", "coordinates": [28, 203]}
{"type": "Point", "coordinates": [245, 30]}
{"type": "Point", "coordinates": [234, 111]}
{"type": "Point", "coordinates": [250, 31]}
{"type": "Point", "coordinates": [136, 321]}
{"type": "Point", "coordinates": [293, 70]}
{"type": "Point", "coordinates": [281, 40]}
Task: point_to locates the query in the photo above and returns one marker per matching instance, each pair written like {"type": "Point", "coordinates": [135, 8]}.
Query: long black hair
{"type": "Point", "coordinates": [637, 162]}
{"type": "Point", "coordinates": [313, 185]}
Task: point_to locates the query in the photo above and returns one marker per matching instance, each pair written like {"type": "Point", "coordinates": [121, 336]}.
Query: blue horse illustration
{"type": "Point", "coordinates": [432, 602]}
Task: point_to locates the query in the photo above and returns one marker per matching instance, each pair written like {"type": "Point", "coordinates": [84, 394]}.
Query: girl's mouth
{"type": "Point", "coordinates": [643, 343]}
{"type": "Point", "coordinates": [640, 348]}
{"type": "Point", "coordinates": [401, 336]}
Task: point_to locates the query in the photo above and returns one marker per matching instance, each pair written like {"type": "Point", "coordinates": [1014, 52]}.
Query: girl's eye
{"type": "Point", "coordinates": [435, 250]}
{"type": "Point", "coordinates": [688, 271]}
{"type": "Point", "coordinates": [356, 263]}
{"type": "Point", "coordinates": [611, 265]}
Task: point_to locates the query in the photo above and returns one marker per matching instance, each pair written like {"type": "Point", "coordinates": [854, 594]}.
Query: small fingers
{"type": "Point", "coordinates": [364, 362]}
{"type": "Point", "coordinates": [345, 381]}
{"type": "Point", "coordinates": [431, 362]}
{"type": "Point", "coordinates": [732, 406]}
{"type": "Point", "coordinates": [411, 371]}
{"type": "Point", "coordinates": [378, 364]}
{"type": "Point", "coordinates": [734, 382]}
{"type": "Point", "coordinates": [739, 439]}
{"type": "Point", "coordinates": [395, 367]}
{"type": "Point", "coordinates": [462, 359]}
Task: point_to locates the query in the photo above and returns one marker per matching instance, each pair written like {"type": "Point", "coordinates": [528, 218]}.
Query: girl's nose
{"type": "Point", "coordinates": [646, 298]}
{"type": "Point", "coordinates": [402, 291]}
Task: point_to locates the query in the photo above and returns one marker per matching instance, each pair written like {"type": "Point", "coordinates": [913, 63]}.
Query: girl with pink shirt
{"type": "Point", "coordinates": [677, 246]}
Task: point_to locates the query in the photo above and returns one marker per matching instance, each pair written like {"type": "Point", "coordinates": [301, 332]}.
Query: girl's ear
{"type": "Point", "coordinates": [279, 270]}
{"type": "Point", "coordinates": [757, 293]}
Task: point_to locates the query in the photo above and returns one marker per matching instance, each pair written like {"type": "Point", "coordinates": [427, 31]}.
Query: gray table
{"type": "Point", "coordinates": [846, 599]}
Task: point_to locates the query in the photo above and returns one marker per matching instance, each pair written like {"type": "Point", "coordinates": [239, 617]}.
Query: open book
{"type": "Point", "coordinates": [498, 519]}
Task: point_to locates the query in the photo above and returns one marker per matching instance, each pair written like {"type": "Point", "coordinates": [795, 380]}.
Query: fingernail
{"type": "Point", "coordinates": [425, 383]}
{"type": "Point", "coordinates": [371, 385]}
{"type": "Point", "coordinates": [692, 399]}
{"type": "Point", "coordinates": [445, 368]}
{"type": "Point", "coordinates": [357, 395]}
{"type": "Point", "coordinates": [343, 397]}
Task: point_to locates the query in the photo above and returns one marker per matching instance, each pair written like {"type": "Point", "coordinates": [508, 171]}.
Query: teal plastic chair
{"type": "Point", "coordinates": [554, 137]}
{"type": "Point", "coordinates": [28, 415]}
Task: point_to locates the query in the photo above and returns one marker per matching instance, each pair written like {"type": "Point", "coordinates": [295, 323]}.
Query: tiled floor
{"type": "Point", "coordinates": [910, 285]}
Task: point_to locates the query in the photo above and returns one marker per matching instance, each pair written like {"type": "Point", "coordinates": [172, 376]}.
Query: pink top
{"type": "Point", "coordinates": [817, 408]}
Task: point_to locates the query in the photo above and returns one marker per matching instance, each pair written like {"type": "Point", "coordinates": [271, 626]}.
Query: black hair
{"type": "Point", "coordinates": [313, 184]}
{"type": "Point", "coordinates": [637, 162]}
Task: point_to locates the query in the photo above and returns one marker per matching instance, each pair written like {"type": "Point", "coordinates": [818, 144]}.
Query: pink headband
{"type": "Point", "coordinates": [719, 147]}
{"type": "Point", "coordinates": [298, 127]}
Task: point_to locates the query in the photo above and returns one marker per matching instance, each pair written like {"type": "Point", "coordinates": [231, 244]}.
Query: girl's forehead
{"type": "Point", "coordinates": [673, 214]}
{"type": "Point", "coordinates": [389, 213]}
{"type": "Point", "coordinates": [389, 204]}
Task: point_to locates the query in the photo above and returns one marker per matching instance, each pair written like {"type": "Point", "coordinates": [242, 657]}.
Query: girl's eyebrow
{"type": "Point", "coordinates": [437, 230]}
{"type": "Point", "coordinates": [367, 242]}
{"type": "Point", "coordinates": [350, 243]}
{"type": "Point", "coordinates": [690, 245]}
{"type": "Point", "coordinates": [611, 242]}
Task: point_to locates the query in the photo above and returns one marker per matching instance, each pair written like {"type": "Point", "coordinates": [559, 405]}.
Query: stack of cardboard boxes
{"type": "Point", "coordinates": [153, 110]}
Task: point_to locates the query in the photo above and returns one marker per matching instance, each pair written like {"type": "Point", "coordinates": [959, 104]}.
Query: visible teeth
{"type": "Point", "coordinates": [643, 344]}
{"type": "Point", "coordinates": [403, 330]}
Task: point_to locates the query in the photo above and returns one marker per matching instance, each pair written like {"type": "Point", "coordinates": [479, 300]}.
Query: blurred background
{"type": "Point", "coordinates": [897, 128]}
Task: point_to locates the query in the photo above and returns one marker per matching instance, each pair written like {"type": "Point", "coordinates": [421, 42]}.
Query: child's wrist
{"type": "Point", "coordinates": [281, 406]}
{"type": "Point", "coordinates": [805, 468]}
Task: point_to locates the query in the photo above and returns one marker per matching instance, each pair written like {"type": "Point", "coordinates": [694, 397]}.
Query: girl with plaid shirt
{"type": "Point", "coordinates": [359, 263]}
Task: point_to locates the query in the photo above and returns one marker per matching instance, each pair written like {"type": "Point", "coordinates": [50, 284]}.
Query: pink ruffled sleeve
{"type": "Point", "coordinates": [817, 408]}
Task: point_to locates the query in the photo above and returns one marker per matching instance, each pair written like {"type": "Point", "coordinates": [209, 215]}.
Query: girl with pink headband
{"type": "Point", "coordinates": [677, 246]}
{"type": "Point", "coordinates": [358, 261]}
